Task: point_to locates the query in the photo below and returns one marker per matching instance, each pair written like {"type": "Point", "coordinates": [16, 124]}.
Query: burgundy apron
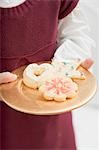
{"type": "Point", "coordinates": [28, 34]}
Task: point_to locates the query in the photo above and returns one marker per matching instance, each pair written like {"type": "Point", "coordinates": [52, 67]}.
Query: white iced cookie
{"type": "Point", "coordinates": [69, 69]}
{"type": "Point", "coordinates": [34, 73]}
{"type": "Point", "coordinates": [75, 74]}
{"type": "Point", "coordinates": [59, 88]}
{"type": "Point", "coordinates": [68, 65]}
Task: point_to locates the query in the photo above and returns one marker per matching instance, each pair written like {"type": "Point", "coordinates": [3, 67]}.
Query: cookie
{"type": "Point", "coordinates": [58, 88]}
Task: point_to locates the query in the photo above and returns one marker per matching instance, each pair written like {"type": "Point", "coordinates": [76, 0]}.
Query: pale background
{"type": "Point", "coordinates": [86, 119]}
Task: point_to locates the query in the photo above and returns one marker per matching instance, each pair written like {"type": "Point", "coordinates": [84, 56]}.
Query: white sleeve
{"type": "Point", "coordinates": [73, 38]}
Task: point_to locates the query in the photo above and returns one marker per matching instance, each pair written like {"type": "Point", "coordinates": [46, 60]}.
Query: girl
{"type": "Point", "coordinates": [32, 31]}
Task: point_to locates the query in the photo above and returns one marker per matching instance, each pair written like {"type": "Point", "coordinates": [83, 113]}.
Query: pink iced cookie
{"type": "Point", "coordinates": [59, 88]}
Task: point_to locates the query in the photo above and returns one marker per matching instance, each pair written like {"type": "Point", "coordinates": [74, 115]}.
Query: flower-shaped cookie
{"type": "Point", "coordinates": [59, 88]}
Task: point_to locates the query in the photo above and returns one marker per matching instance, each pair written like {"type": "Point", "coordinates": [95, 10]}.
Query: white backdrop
{"type": "Point", "coordinates": [86, 119]}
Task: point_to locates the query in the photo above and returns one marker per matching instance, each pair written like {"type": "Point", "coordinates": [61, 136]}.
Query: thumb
{"type": "Point", "coordinates": [87, 63]}
{"type": "Point", "coordinates": [6, 77]}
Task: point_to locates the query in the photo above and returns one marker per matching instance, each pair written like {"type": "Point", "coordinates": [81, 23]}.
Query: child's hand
{"type": "Point", "coordinates": [87, 63]}
{"type": "Point", "coordinates": [6, 77]}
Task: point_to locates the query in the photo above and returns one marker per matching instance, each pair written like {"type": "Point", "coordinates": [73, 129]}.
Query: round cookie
{"type": "Point", "coordinates": [33, 73]}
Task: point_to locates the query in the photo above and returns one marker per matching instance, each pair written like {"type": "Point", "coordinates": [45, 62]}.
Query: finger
{"type": "Point", "coordinates": [87, 63]}
{"type": "Point", "coordinates": [7, 77]}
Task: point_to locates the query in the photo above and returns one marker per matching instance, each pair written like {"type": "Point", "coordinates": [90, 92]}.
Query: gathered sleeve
{"type": "Point", "coordinates": [73, 39]}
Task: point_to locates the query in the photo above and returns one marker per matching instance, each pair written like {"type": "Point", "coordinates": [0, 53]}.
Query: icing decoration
{"type": "Point", "coordinates": [59, 89]}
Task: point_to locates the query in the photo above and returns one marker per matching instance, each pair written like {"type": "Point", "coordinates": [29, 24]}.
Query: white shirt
{"type": "Point", "coordinates": [10, 3]}
{"type": "Point", "coordinates": [73, 39]}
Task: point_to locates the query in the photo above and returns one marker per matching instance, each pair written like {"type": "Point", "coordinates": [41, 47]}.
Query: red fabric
{"type": "Point", "coordinates": [66, 7]}
{"type": "Point", "coordinates": [28, 34]}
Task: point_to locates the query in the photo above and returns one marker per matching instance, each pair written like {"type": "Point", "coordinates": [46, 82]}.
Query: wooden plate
{"type": "Point", "coordinates": [27, 100]}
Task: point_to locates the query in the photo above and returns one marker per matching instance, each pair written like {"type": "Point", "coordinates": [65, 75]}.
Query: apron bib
{"type": "Point", "coordinates": [28, 34]}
